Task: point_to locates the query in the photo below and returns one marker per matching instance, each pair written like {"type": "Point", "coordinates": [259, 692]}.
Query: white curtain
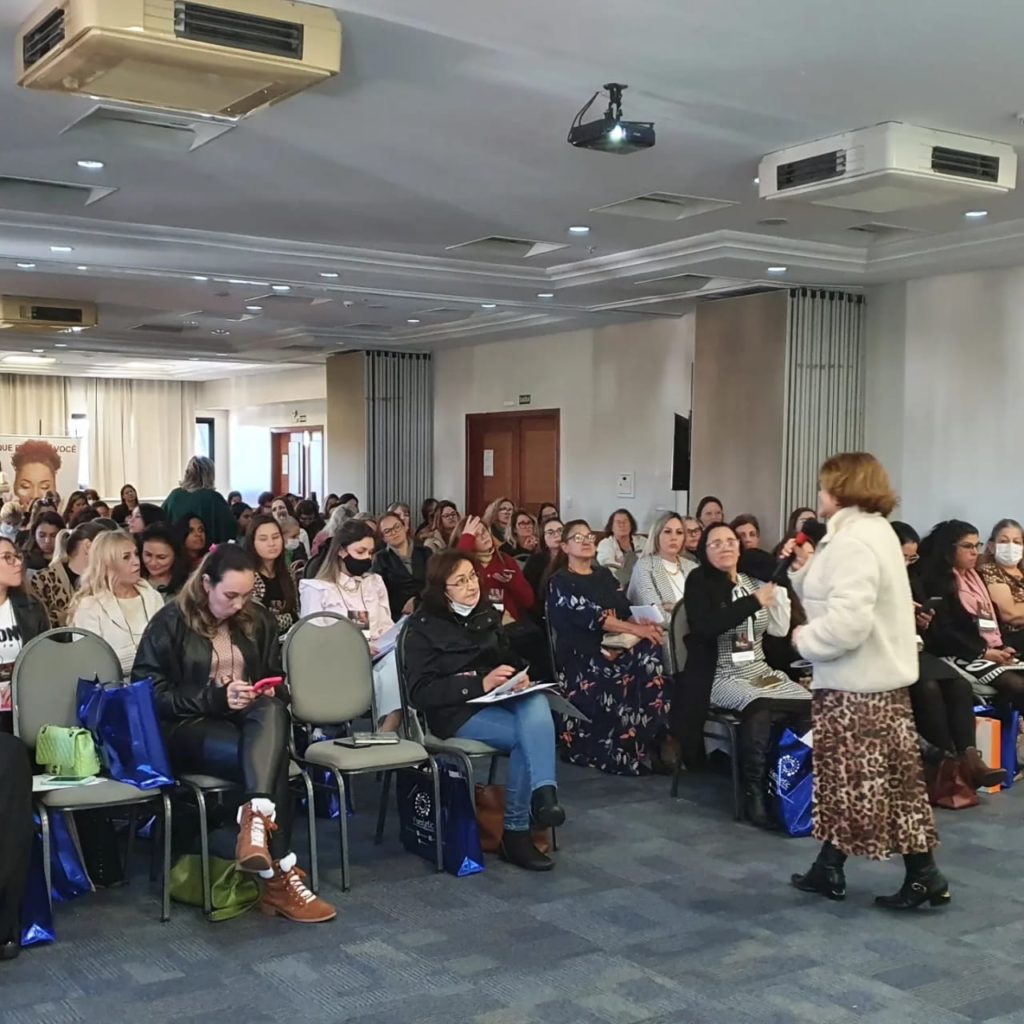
{"type": "Point", "coordinates": [824, 410]}
{"type": "Point", "coordinates": [141, 432]}
{"type": "Point", "coordinates": [32, 404]}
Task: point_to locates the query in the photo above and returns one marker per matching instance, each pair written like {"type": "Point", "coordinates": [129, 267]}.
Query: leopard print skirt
{"type": "Point", "coordinates": [869, 791]}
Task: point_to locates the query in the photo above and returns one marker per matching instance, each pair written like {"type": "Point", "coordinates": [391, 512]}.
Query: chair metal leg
{"type": "Point", "coordinates": [155, 834]}
{"type": "Point", "coordinates": [165, 905]}
{"type": "Point", "coordinates": [435, 773]}
{"type": "Point", "coordinates": [204, 851]}
{"type": "Point", "coordinates": [492, 771]}
{"type": "Point", "coordinates": [133, 824]}
{"type": "Point", "coordinates": [314, 860]}
{"type": "Point", "coordinates": [737, 774]}
{"type": "Point", "coordinates": [554, 839]}
{"type": "Point", "coordinates": [382, 810]}
{"type": "Point", "coordinates": [342, 829]}
{"type": "Point", "coordinates": [44, 827]}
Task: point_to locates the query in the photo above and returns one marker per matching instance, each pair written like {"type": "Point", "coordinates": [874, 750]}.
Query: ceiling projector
{"type": "Point", "coordinates": [611, 134]}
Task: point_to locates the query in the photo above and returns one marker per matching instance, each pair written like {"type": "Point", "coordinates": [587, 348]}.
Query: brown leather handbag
{"type": "Point", "coordinates": [948, 788]}
{"type": "Point", "coordinates": [490, 820]}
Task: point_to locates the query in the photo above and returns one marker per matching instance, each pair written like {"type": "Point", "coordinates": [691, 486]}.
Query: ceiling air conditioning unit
{"type": "Point", "coordinates": [27, 314]}
{"type": "Point", "coordinates": [226, 59]}
{"type": "Point", "coordinates": [892, 166]}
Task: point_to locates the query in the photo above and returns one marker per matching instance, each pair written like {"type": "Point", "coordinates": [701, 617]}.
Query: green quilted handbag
{"type": "Point", "coordinates": [67, 752]}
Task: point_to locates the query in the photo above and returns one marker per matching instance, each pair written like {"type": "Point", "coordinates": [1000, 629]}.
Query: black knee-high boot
{"type": "Point", "coordinates": [755, 744]}
{"type": "Point", "coordinates": [923, 883]}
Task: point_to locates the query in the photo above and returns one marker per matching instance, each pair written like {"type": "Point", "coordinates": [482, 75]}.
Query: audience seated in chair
{"type": "Point", "coordinates": [621, 690]}
{"type": "Point", "coordinates": [401, 564]}
{"type": "Point", "coordinates": [497, 518]}
{"type": "Point", "coordinates": [274, 587]}
{"type": "Point", "coordinates": [729, 614]}
{"type": "Point", "coordinates": [1000, 568]}
{"type": "Point", "coordinates": [56, 585]}
{"type": "Point", "coordinates": [164, 565]}
{"type": "Point", "coordinates": [444, 531]}
{"type": "Point", "coordinates": [619, 542]}
{"type": "Point", "coordinates": [541, 564]}
{"type": "Point", "coordinates": [347, 586]}
{"type": "Point", "coordinates": [112, 599]}
{"type": "Point", "coordinates": [41, 538]}
{"type": "Point", "coordinates": [710, 511]}
{"type": "Point", "coordinates": [203, 652]}
{"type": "Point", "coordinates": [129, 499]}
{"type": "Point", "coordinates": [144, 514]}
{"type": "Point", "coordinates": [426, 525]}
{"type": "Point", "coordinates": [191, 534]}
{"type": "Point", "coordinates": [659, 576]}
{"type": "Point", "coordinates": [754, 561]}
{"type": "Point", "coordinates": [456, 649]}
{"type": "Point", "coordinates": [694, 532]}
{"type": "Point", "coordinates": [524, 538]}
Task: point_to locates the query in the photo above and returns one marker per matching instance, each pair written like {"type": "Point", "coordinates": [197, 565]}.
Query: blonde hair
{"type": "Point", "coordinates": [858, 478]}
{"type": "Point", "coordinates": [652, 546]}
{"type": "Point", "coordinates": [491, 514]}
{"type": "Point", "coordinates": [60, 547]}
{"type": "Point", "coordinates": [9, 509]}
{"type": "Point", "coordinates": [101, 571]}
{"type": "Point", "coordinates": [199, 474]}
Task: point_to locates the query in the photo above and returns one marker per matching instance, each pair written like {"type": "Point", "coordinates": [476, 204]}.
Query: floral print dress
{"type": "Point", "coordinates": [626, 699]}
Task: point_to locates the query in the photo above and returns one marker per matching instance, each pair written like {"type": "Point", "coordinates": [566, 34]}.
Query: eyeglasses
{"type": "Point", "coordinates": [553, 533]}
{"type": "Point", "coordinates": [727, 542]}
{"type": "Point", "coordinates": [979, 547]}
{"type": "Point", "coordinates": [392, 531]}
{"type": "Point", "coordinates": [460, 581]}
{"type": "Point", "coordinates": [10, 558]}
{"type": "Point", "coordinates": [582, 538]}
{"type": "Point", "coordinates": [693, 531]}
{"type": "Point", "coordinates": [449, 513]}
{"type": "Point", "coordinates": [506, 508]}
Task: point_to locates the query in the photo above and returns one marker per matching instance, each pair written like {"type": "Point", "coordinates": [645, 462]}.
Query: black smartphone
{"type": "Point", "coordinates": [931, 604]}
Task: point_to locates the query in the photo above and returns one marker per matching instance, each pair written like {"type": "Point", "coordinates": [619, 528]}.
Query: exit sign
{"type": "Point", "coordinates": [525, 399]}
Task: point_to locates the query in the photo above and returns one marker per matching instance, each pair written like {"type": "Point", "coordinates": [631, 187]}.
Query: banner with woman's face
{"type": "Point", "coordinates": [37, 466]}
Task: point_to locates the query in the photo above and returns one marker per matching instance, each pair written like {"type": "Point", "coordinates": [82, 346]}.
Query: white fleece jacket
{"type": "Point", "coordinates": [860, 632]}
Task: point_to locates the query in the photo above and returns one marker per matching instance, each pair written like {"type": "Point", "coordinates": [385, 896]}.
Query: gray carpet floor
{"type": "Point", "coordinates": [658, 911]}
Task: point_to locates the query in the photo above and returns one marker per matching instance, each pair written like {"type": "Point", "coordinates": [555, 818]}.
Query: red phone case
{"type": "Point", "coordinates": [269, 683]}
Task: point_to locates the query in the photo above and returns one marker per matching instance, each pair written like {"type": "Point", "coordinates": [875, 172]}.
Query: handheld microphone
{"type": "Point", "coordinates": [811, 532]}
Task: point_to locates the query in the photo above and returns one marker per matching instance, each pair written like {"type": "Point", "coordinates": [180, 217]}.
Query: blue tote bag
{"type": "Point", "coordinates": [460, 836]}
{"type": "Point", "coordinates": [793, 784]}
{"type": "Point", "coordinates": [123, 722]}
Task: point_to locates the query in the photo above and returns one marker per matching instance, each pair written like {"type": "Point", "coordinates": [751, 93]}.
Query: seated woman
{"type": "Point", "coordinates": [524, 534]}
{"type": "Point", "coordinates": [274, 587]}
{"type": "Point", "coordinates": [694, 531]}
{"type": "Point", "coordinates": [402, 510]}
{"type": "Point", "coordinates": [444, 529]}
{"type": "Point", "coordinates": [754, 560]}
{"type": "Point", "coordinates": [203, 652]}
{"type": "Point", "coordinates": [129, 499]}
{"type": "Point", "coordinates": [243, 514]}
{"type": "Point", "coordinates": [144, 514]}
{"type": "Point", "coordinates": [660, 573]}
{"type": "Point", "coordinates": [710, 511]}
{"type": "Point", "coordinates": [503, 582]}
{"type": "Point", "coordinates": [11, 520]}
{"type": "Point", "coordinates": [22, 618]}
{"type": "Point", "coordinates": [942, 699]}
{"type": "Point", "coordinates": [964, 631]}
{"type": "Point", "coordinates": [729, 614]}
{"type": "Point", "coordinates": [55, 586]}
{"type": "Point", "coordinates": [497, 518]}
{"type": "Point", "coordinates": [454, 650]}
{"type": "Point", "coordinates": [191, 534]}
{"type": "Point", "coordinates": [794, 524]}
{"type": "Point", "coordinates": [547, 511]}
{"type": "Point", "coordinates": [621, 690]}
{"type": "Point", "coordinates": [76, 504]}
{"type": "Point", "coordinates": [112, 600]}
{"type": "Point", "coordinates": [543, 562]}
{"type": "Point", "coordinates": [164, 566]}
{"type": "Point", "coordinates": [346, 585]}
{"type": "Point", "coordinates": [1001, 571]}
{"type": "Point", "coordinates": [309, 518]}
{"type": "Point", "coordinates": [295, 555]}
{"type": "Point", "coordinates": [41, 538]}
{"type": "Point", "coordinates": [621, 530]}
{"type": "Point", "coordinates": [281, 511]}
{"type": "Point", "coordinates": [401, 564]}
{"type": "Point", "coordinates": [427, 510]}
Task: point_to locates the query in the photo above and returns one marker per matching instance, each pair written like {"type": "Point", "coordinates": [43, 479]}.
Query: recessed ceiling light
{"type": "Point", "coordinates": [253, 309]}
{"type": "Point", "coordinates": [237, 280]}
{"type": "Point", "coordinates": [976, 214]}
{"type": "Point", "coordinates": [328, 273]}
{"type": "Point", "coordinates": [60, 344]}
{"type": "Point", "coordinates": [91, 165]}
{"type": "Point", "coordinates": [83, 267]}
{"type": "Point", "coordinates": [545, 295]}
{"type": "Point", "coordinates": [488, 305]}
{"type": "Point", "coordinates": [16, 360]}
{"type": "Point", "coordinates": [777, 270]}
{"type": "Point", "coordinates": [199, 277]}
{"type": "Point", "coordinates": [193, 359]}
{"type": "Point", "coordinates": [412, 321]}
{"type": "Point", "coordinates": [220, 332]}
{"type": "Point", "coordinates": [62, 248]}
{"type": "Point", "coordinates": [579, 229]}
{"type": "Point", "coordinates": [26, 266]}
{"type": "Point", "coordinates": [135, 28]}
{"type": "Point", "coordinates": [281, 287]}
{"type": "Point", "coordinates": [757, 181]}
{"type": "Point", "coordinates": [39, 351]}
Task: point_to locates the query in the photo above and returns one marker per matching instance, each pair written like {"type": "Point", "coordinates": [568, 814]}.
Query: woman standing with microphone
{"type": "Point", "coordinates": [869, 791]}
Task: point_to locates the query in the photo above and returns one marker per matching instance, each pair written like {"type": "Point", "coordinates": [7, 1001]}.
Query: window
{"type": "Point", "coordinates": [78, 426]}
{"type": "Point", "coordinates": [204, 436]}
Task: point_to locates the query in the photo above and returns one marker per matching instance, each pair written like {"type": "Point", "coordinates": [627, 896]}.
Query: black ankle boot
{"type": "Point", "coordinates": [545, 809]}
{"type": "Point", "coordinates": [9, 950]}
{"type": "Point", "coordinates": [517, 848]}
{"type": "Point", "coordinates": [757, 807]}
{"type": "Point", "coordinates": [826, 874]}
{"type": "Point", "coordinates": [924, 883]}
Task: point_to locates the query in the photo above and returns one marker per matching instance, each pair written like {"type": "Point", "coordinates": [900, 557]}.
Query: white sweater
{"type": "Point", "coordinates": [860, 633]}
{"type": "Point", "coordinates": [103, 615]}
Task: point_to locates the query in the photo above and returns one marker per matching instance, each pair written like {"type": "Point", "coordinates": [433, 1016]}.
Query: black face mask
{"type": "Point", "coordinates": [357, 566]}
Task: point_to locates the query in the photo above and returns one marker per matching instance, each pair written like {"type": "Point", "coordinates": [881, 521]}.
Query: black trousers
{"type": "Point", "coordinates": [944, 713]}
{"type": "Point", "coordinates": [249, 747]}
{"type": "Point", "coordinates": [1010, 687]}
{"type": "Point", "coordinates": [16, 834]}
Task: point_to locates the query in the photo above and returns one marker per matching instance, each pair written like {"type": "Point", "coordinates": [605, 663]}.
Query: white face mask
{"type": "Point", "coordinates": [1009, 554]}
{"type": "Point", "coordinates": [461, 609]}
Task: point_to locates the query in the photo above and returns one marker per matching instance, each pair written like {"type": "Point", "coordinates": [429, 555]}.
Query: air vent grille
{"type": "Point", "coordinates": [47, 35]}
{"type": "Point", "coordinates": [880, 230]}
{"type": "Point", "coordinates": [56, 314]}
{"type": "Point", "coordinates": [811, 169]}
{"type": "Point", "coordinates": [961, 164]}
{"type": "Point", "coordinates": [239, 31]}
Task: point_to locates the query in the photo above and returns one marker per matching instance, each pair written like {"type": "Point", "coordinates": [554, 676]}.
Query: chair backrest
{"type": "Point", "coordinates": [677, 631]}
{"type": "Point", "coordinates": [329, 670]}
{"type": "Point", "coordinates": [44, 685]}
{"type": "Point", "coordinates": [625, 571]}
{"type": "Point", "coordinates": [411, 720]}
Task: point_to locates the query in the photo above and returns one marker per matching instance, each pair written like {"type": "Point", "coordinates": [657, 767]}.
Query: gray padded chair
{"type": "Point", "coordinates": [44, 692]}
{"type": "Point", "coordinates": [330, 675]}
{"type": "Point", "coordinates": [729, 720]}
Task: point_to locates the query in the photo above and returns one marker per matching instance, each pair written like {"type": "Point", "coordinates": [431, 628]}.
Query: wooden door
{"type": "Point", "coordinates": [514, 455]}
{"type": "Point", "coordinates": [296, 460]}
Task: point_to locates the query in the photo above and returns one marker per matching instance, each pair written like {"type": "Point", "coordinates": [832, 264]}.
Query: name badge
{"type": "Point", "coordinates": [743, 645]}
{"type": "Point", "coordinates": [989, 625]}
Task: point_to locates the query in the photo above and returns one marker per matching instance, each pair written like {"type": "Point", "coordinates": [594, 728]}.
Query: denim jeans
{"type": "Point", "coordinates": [523, 726]}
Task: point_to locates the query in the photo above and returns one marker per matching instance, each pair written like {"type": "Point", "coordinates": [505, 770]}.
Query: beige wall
{"type": "Point", "coordinates": [346, 425]}
{"type": "Point", "coordinates": [738, 404]}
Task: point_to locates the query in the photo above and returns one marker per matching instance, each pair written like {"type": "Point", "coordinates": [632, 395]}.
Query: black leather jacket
{"type": "Point", "coordinates": [401, 584]}
{"type": "Point", "coordinates": [178, 659]}
{"type": "Point", "coordinates": [29, 614]}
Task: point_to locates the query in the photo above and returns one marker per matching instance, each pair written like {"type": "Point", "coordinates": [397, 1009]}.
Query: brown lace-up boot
{"type": "Point", "coordinates": [287, 894]}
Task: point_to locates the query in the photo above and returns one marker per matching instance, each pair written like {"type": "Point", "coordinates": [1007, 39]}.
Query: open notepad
{"type": "Point", "coordinates": [388, 640]}
{"type": "Point", "coordinates": [504, 692]}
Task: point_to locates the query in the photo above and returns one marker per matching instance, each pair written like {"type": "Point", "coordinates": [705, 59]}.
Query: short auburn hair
{"type": "Point", "coordinates": [858, 478]}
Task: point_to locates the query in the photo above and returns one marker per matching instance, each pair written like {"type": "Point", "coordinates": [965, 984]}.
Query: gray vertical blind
{"type": "Point", "coordinates": [824, 410]}
{"type": "Point", "coordinates": [399, 429]}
